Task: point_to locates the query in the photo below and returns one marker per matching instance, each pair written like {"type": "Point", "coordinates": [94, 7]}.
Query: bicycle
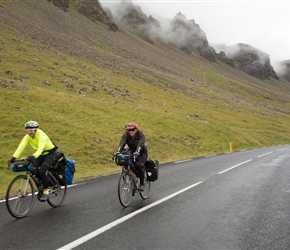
{"type": "Point", "coordinates": [129, 183]}
{"type": "Point", "coordinates": [20, 194]}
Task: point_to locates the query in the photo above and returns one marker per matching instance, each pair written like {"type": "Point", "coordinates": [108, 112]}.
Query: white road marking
{"type": "Point", "coordinates": [234, 166]}
{"type": "Point", "coordinates": [265, 154]}
{"type": "Point", "coordinates": [282, 149]}
{"type": "Point", "coordinates": [121, 220]}
{"type": "Point", "coordinates": [183, 161]}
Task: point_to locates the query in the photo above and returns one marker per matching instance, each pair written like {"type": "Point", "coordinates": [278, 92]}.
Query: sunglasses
{"type": "Point", "coordinates": [130, 130]}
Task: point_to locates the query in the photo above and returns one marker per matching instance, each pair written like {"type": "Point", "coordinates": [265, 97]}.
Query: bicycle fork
{"type": "Point", "coordinates": [24, 183]}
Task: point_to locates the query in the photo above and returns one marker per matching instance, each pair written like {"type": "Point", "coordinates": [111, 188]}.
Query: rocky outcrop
{"type": "Point", "coordinates": [94, 11]}
{"type": "Point", "coordinates": [222, 56]}
{"type": "Point", "coordinates": [252, 61]}
{"type": "Point", "coordinates": [186, 33]}
{"type": "Point", "coordinates": [131, 18]}
{"type": "Point", "coordinates": [183, 33]}
{"type": "Point", "coordinates": [89, 8]}
{"type": "Point", "coordinates": [285, 70]}
{"type": "Point", "coordinates": [189, 37]}
{"type": "Point", "coordinates": [63, 4]}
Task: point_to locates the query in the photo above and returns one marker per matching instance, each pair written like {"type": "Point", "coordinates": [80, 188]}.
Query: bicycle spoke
{"type": "Point", "coordinates": [19, 196]}
{"type": "Point", "coordinates": [125, 189]}
{"type": "Point", "coordinates": [145, 194]}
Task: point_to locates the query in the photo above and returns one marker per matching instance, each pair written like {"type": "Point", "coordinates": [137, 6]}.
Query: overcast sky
{"type": "Point", "coordinates": [264, 24]}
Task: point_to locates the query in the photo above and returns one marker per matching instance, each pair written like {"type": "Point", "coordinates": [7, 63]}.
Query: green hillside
{"type": "Point", "coordinates": [83, 83]}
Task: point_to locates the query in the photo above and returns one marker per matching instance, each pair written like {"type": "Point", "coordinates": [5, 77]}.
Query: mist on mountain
{"type": "Point", "coordinates": [190, 38]}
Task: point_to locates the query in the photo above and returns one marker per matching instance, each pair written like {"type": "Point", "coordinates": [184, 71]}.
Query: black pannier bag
{"type": "Point", "coordinates": [59, 165]}
{"type": "Point", "coordinates": [152, 170]}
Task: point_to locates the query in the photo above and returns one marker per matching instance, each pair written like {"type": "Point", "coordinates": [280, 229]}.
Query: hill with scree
{"type": "Point", "coordinates": [83, 79]}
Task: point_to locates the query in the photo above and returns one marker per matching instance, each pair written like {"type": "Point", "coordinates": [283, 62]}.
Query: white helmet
{"type": "Point", "coordinates": [31, 124]}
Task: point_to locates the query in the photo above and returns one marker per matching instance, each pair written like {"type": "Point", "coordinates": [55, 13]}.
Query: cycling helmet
{"type": "Point", "coordinates": [132, 125]}
{"type": "Point", "coordinates": [31, 124]}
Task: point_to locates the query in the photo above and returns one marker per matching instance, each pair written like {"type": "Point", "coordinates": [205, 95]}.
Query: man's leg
{"type": "Point", "coordinates": [141, 167]}
{"type": "Point", "coordinates": [48, 160]}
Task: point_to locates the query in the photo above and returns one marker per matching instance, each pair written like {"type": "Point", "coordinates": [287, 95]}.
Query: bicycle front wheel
{"type": "Point", "coordinates": [56, 197]}
{"type": "Point", "coordinates": [20, 196]}
{"type": "Point", "coordinates": [125, 189]}
{"type": "Point", "coordinates": [145, 194]}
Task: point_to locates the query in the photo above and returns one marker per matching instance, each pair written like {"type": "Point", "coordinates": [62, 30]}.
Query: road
{"type": "Point", "coordinates": [236, 200]}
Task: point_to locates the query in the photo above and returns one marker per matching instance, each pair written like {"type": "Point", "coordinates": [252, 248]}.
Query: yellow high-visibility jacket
{"type": "Point", "coordinates": [40, 142]}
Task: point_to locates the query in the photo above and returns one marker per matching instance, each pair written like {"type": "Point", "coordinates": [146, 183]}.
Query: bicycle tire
{"type": "Point", "coordinates": [58, 192]}
{"type": "Point", "coordinates": [145, 194]}
{"type": "Point", "coordinates": [57, 197]}
{"type": "Point", "coordinates": [20, 196]}
{"type": "Point", "coordinates": [125, 189]}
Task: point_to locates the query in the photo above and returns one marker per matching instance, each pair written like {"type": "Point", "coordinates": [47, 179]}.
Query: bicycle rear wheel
{"type": "Point", "coordinates": [125, 189]}
{"type": "Point", "coordinates": [20, 196]}
{"type": "Point", "coordinates": [58, 192]}
{"type": "Point", "coordinates": [145, 194]}
{"type": "Point", "coordinates": [56, 198]}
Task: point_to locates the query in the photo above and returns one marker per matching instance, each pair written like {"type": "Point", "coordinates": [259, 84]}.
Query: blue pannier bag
{"type": "Point", "coordinates": [64, 169]}
{"type": "Point", "coordinates": [69, 171]}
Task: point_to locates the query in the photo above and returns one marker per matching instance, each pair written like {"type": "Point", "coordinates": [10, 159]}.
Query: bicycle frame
{"type": "Point", "coordinates": [27, 182]}
{"type": "Point", "coordinates": [132, 175]}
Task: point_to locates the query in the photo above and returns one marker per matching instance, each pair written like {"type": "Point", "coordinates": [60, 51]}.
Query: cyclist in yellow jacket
{"type": "Point", "coordinates": [44, 155]}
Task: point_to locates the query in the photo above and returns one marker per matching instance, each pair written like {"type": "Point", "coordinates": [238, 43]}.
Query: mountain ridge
{"type": "Point", "coordinates": [185, 34]}
{"type": "Point", "coordinates": [188, 36]}
{"type": "Point", "coordinates": [148, 62]}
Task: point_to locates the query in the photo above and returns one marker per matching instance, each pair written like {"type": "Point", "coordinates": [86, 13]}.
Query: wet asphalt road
{"type": "Point", "coordinates": [237, 200]}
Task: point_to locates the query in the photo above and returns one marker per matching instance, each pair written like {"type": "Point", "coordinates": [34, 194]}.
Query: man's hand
{"type": "Point", "coordinates": [31, 159]}
{"type": "Point", "coordinates": [12, 160]}
{"type": "Point", "coordinates": [135, 155]}
{"type": "Point", "coordinates": [114, 155]}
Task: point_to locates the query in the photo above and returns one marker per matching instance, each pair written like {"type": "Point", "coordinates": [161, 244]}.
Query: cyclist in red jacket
{"type": "Point", "coordinates": [135, 140]}
{"type": "Point", "coordinates": [43, 156]}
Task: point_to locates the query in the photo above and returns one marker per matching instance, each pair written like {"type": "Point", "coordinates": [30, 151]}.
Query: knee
{"type": "Point", "coordinates": [43, 168]}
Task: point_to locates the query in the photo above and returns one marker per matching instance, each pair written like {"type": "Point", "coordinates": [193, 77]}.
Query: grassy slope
{"type": "Point", "coordinates": [186, 106]}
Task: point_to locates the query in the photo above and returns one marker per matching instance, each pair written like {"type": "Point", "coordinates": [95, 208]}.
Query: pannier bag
{"type": "Point", "coordinates": [65, 169]}
{"type": "Point", "coordinates": [22, 165]}
{"type": "Point", "coordinates": [152, 170]}
{"type": "Point", "coordinates": [69, 171]}
{"type": "Point", "coordinates": [123, 159]}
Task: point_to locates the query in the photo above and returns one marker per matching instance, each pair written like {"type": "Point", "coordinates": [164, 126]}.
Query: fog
{"type": "Point", "coordinates": [261, 24]}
